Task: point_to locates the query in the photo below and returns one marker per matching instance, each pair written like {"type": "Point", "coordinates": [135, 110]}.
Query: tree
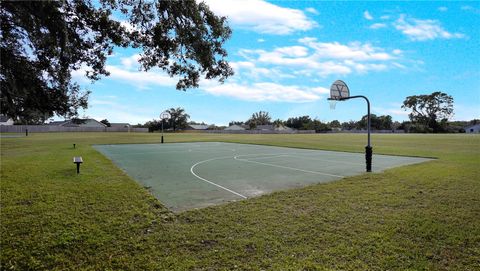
{"type": "Point", "coordinates": [350, 125]}
{"type": "Point", "coordinates": [430, 110]}
{"type": "Point", "coordinates": [153, 125]}
{"type": "Point", "coordinates": [106, 122]}
{"type": "Point", "coordinates": [278, 123]}
{"type": "Point", "coordinates": [178, 119]}
{"type": "Point", "coordinates": [376, 122]}
{"type": "Point", "coordinates": [334, 124]}
{"type": "Point", "coordinates": [43, 42]}
{"type": "Point", "coordinates": [259, 118]}
{"type": "Point", "coordinates": [299, 123]}
{"type": "Point", "coordinates": [236, 123]}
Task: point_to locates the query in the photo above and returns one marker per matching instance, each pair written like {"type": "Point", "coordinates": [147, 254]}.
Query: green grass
{"type": "Point", "coordinates": [424, 216]}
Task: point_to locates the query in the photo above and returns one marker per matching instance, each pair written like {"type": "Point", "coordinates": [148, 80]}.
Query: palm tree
{"type": "Point", "coordinates": [178, 118]}
{"type": "Point", "coordinates": [260, 118]}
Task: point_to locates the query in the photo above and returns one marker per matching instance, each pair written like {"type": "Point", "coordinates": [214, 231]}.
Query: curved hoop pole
{"type": "Point", "coordinates": [368, 148]}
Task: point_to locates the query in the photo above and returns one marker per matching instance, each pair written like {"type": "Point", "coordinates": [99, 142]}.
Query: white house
{"type": "Point", "coordinates": [4, 120]}
{"type": "Point", "coordinates": [197, 127]}
{"type": "Point", "coordinates": [235, 128]}
{"type": "Point", "coordinates": [120, 125]}
{"type": "Point", "coordinates": [78, 123]}
{"type": "Point", "coordinates": [473, 129]}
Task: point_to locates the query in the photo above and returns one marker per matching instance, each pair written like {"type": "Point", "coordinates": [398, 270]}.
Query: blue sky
{"type": "Point", "coordinates": [286, 54]}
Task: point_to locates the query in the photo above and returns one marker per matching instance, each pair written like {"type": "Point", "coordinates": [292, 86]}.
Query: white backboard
{"type": "Point", "coordinates": [339, 90]}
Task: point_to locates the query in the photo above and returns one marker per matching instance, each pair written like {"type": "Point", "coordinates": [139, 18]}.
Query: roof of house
{"type": "Point", "coordinates": [265, 127]}
{"type": "Point", "coordinates": [119, 124]}
{"type": "Point", "coordinates": [283, 128]}
{"type": "Point", "coordinates": [4, 118]}
{"type": "Point", "coordinates": [71, 123]}
{"type": "Point", "coordinates": [235, 127]}
{"type": "Point", "coordinates": [473, 126]}
{"type": "Point", "coordinates": [58, 122]}
{"type": "Point", "coordinates": [198, 126]}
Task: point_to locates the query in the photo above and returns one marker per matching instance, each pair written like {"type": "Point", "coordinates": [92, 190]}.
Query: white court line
{"type": "Point", "coordinates": [301, 156]}
{"type": "Point", "coordinates": [268, 157]}
{"type": "Point", "coordinates": [323, 160]}
{"type": "Point", "coordinates": [210, 182]}
{"type": "Point", "coordinates": [292, 168]}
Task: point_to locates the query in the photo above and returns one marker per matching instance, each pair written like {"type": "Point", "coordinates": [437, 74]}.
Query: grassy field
{"type": "Point", "coordinates": [424, 216]}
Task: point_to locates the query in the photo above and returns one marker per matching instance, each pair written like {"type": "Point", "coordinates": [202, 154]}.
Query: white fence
{"type": "Point", "coordinates": [53, 128]}
{"type": "Point", "coordinates": [252, 131]}
{"type": "Point", "coordinates": [365, 131]}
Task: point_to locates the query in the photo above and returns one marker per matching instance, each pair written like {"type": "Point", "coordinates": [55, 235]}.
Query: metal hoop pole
{"type": "Point", "coordinates": [368, 148]}
{"type": "Point", "coordinates": [162, 129]}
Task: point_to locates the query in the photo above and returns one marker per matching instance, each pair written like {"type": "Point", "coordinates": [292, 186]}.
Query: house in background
{"type": "Point", "coordinates": [120, 125]}
{"type": "Point", "coordinates": [473, 129]}
{"type": "Point", "coordinates": [271, 127]}
{"type": "Point", "coordinates": [197, 127]}
{"type": "Point", "coordinates": [266, 127]}
{"type": "Point", "coordinates": [4, 120]}
{"type": "Point", "coordinates": [78, 123]}
{"type": "Point", "coordinates": [235, 128]}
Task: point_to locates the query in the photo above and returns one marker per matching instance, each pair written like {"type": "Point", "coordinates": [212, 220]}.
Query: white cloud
{"type": "Point", "coordinates": [397, 52]}
{"type": "Point", "coordinates": [395, 111]}
{"type": "Point", "coordinates": [442, 9]}
{"type": "Point", "coordinates": [312, 10]}
{"type": "Point", "coordinates": [115, 112]}
{"type": "Point", "coordinates": [315, 58]}
{"type": "Point", "coordinates": [141, 79]}
{"type": "Point", "coordinates": [131, 61]}
{"type": "Point", "coordinates": [422, 30]}
{"type": "Point", "coordinates": [378, 26]}
{"type": "Point", "coordinates": [292, 51]}
{"type": "Point", "coordinates": [466, 112]}
{"type": "Point", "coordinates": [265, 92]}
{"type": "Point", "coordinates": [128, 26]}
{"type": "Point", "coordinates": [367, 15]}
{"type": "Point", "coordinates": [260, 40]}
{"type": "Point", "coordinates": [249, 69]}
{"type": "Point", "coordinates": [353, 51]}
{"type": "Point", "coordinates": [262, 16]}
{"type": "Point", "coordinates": [79, 75]}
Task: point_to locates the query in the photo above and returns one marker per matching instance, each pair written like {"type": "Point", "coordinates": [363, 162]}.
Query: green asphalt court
{"type": "Point", "coordinates": [185, 176]}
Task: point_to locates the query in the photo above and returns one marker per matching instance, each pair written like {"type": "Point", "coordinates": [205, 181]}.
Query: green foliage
{"type": "Point", "coordinates": [43, 42]}
{"type": "Point", "coordinates": [299, 123]}
{"type": "Point", "coordinates": [419, 217]}
{"type": "Point", "coordinates": [179, 119]}
{"type": "Point", "coordinates": [430, 112]}
{"type": "Point", "coordinates": [259, 118]}
{"type": "Point", "coordinates": [236, 123]}
{"type": "Point", "coordinates": [106, 122]}
{"type": "Point", "coordinates": [376, 122]}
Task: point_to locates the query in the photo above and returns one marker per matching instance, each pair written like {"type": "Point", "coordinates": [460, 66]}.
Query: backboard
{"type": "Point", "coordinates": [339, 90]}
{"type": "Point", "coordinates": [165, 115]}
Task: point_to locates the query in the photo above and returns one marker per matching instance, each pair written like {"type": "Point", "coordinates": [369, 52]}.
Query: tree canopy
{"type": "Point", "coordinates": [259, 118]}
{"type": "Point", "coordinates": [43, 42]}
{"type": "Point", "coordinates": [179, 118]}
{"type": "Point", "coordinates": [430, 110]}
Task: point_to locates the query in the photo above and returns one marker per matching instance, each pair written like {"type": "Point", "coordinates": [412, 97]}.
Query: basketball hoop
{"type": "Point", "coordinates": [332, 103]}
{"type": "Point", "coordinates": [340, 92]}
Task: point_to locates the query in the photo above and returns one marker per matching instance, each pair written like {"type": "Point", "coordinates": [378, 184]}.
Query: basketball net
{"type": "Point", "coordinates": [332, 103]}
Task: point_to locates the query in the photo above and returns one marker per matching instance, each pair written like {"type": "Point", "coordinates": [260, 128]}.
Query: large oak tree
{"type": "Point", "coordinates": [43, 42]}
{"type": "Point", "coordinates": [429, 110]}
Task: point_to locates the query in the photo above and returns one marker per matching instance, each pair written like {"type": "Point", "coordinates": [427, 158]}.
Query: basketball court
{"type": "Point", "coordinates": [194, 175]}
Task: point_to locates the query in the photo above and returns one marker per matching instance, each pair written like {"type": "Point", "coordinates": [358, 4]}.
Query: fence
{"type": "Point", "coordinates": [52, 128]}
{"type": "Point", "coordinates": [365, 131]}
{"type": "Point", "coordinates": [252, 131]}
